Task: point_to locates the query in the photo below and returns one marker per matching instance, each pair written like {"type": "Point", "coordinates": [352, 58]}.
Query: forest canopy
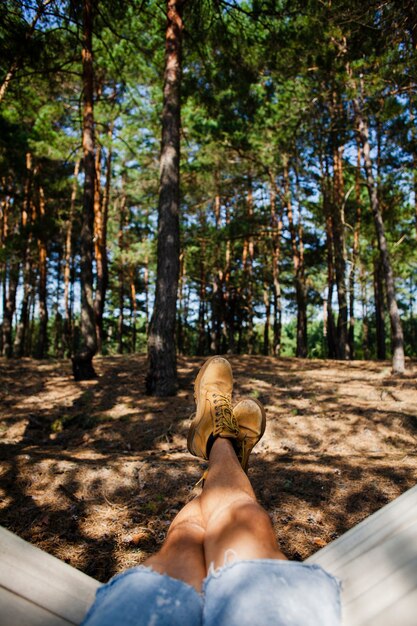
{"type": "Point", "coordinates": [295, 195]}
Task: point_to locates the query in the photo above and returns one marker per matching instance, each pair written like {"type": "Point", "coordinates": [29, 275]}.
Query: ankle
{"type": "Point", "coordinates": [222, 446]}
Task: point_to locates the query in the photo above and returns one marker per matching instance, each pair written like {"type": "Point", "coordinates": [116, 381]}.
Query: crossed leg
{"type": "Point", "coordinates": [182, 554]}
{"type": "Point", "coordinates": [226, 516]}
{"type": "Point", "coordinates": [234, 519]}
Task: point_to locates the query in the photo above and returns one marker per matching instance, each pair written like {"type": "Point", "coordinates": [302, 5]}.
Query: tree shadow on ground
{"type": "Point", "coordinates": [100, 495]}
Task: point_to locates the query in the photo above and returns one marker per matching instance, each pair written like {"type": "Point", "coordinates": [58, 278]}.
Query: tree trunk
{"type": "Point", "coordinates": [10, 271]}
{"type": "Point", "coordinates": [248, 268]}
{"type": "Point", "coordinates": [101, 209]}
{"type": "Point", "coordinates": [26, 231]}
{"type": "Point", "coordinates": [355, 256]}
{"type": "Point", "coordinates": [133, 306]}
{"type": "Point", "coordinates": [240, 293]}
{"type": "Point", "coordinates": [397, 337]}
{"type": "Point", "coordinates": [267, 303]}
{"type": "Point", "coordinates": [228, 295]}
{"type": "Point", "coordinates": [379, 311]}
{"type": "Point", "coordinates": [328, 321]}
{"type": "Point", "coordinates": [217, 301]}
{"type": "Point", "coordinates": [301, 280]}
{"type": "Point", "coordinates": [67, 265]}
{"type": "Point", "coordinates": [276, 226]}
{"type": "Point", "coordinates": [413, 121]}
{"type": "Point", "coordinates": [181, 306]}
{"type": "Point", "coordinates": [121, 274]}
{"type": "Point", "coordinates": [42, 346]}
{"type": "Point", "coordinates": [162, 364]}
{"type": "Point", "coordinates": [22, 326]}
{"type": "Point", "coordinates": [202, 333]}
{"type": "Point", "coordinates": [298, 262]}
{"type": "Point", "coordinates": [58, 330]}
{"type": "Point", "coordinates": [120, 318]}
{"type": "Point", "coordinates": [146, 275]}
{"type": "Point", "coordinates": [4, 223]}
{"type": "Point", "coordinates": [83, 360]}
{"type": "Point", "coordinates": [340, 252]}
{"type": "Point", "coordinates": [31, 324]}
{"type": "Point", "coordinates": [98, 229]}
{"type": "Point", "coordinates": [146, 289]}
{"type": "Point", "coordinates": [217, 313]}
{"type": "Point", "coordinates": [6, 81]}
{"type": "Point", "coordinates": [9, 306]}
{"type": "Point", "coordinates": [365, 320]}
{"type": "Point", "coordinates": [202, 296]}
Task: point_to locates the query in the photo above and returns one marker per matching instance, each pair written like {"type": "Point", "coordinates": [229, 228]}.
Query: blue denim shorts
{"type": "Point", "coordinates": [261, 592]}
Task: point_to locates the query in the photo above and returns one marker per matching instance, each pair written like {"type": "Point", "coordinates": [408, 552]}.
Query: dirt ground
{"type": "Point", "coordinates": [94, 472]}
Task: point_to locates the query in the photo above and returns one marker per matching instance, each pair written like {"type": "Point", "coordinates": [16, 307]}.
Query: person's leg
{"type": "Point", "coordinates": [182, 554]}
{"type": "Point", "coordinates": [233, 518]}
{"type": "Point", "coordinates": [257, 584]}
{"type": "Point", "coordinates": [142, 596]}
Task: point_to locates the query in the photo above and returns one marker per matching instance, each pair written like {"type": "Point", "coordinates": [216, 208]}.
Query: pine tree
{"type": "Point", "coordinates": [162, 369]}
{"type": "Point", "coordinates": [82, 361]}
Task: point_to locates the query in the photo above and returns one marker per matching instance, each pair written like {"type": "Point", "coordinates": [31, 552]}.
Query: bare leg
{"type": "Point", "coordinates": [233, 518]}
{"type": "Point", "coordinates": [182, 555]}
{"type": "Point", "coordinates": [225, 517]}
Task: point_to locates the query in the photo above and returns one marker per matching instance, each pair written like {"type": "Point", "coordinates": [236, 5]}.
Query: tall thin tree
{"type": "Point", "coordinates": [82, 361]}
{"type": "Point", "coordinates": [162, 364]}
{"type": "Point", "coordinates": [397, 336]}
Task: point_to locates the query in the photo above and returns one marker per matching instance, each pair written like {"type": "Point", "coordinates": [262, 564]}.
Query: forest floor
{"type": "Point", "coordinates": [94, 472]}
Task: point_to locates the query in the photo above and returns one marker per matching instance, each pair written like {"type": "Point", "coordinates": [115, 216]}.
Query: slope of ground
{"type": "Point", "coordinates": [93, 472]}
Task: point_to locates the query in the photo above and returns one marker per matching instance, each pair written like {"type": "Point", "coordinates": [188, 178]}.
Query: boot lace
{"type": "Point", "coordinates": [224, 418]}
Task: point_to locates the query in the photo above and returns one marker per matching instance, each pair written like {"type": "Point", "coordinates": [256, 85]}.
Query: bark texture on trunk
{"type": "Point", "coordinates": [133, 307]}
{"type": "Point", "coordinates": [101, 206]}
{"type": "Point", "coordinates": [202, 308]}
{"type": "Point", "coordinates": [365, 317]}
{"type": "Point", "coordinates": [10, 276]}
{"type": "Point", "coordinates": [121, 273]}
{"type": "Point", "coordinates": [9, 306]}
{"type": "Point", "coordinates": [228, 293]}
{"type": "Point", "coordinates": [276, 225]}
{"type": "Point", "coordinates": [299, 270]}
{"type": "Point", "coordinates": [413, 121]}
{"type": "Point", "coordinates": [219, 313]}
{"type": "Point", "coordinates": [83, 360]}
{"type": "Point", "coordinates": [181, 314]}
{"type": "Point", "coordinates": [248, 270]}
{"type": "Point", "coordinates": [162, 363]}
{"type": "Point", "coordinates": [19, 346]}
{"type": "Point", "coordinates": [4, 209]}
{"type": "Point", "coordinates": [42, 345]}
{"type": "Point", "coordinates": [67, 265]}
{"type": "Point", "coordinates": [381, 352]}
{"type": "Point", "coordinates": [329, 330]}
{"type": "Point", "coordinates": [340, 252]}
{"type": "Point", "coordinates": [397, 337]}
{"type": "Point", "coordinates": [267, 304]}
{"type": "Point", "coordinates": [355, 255]}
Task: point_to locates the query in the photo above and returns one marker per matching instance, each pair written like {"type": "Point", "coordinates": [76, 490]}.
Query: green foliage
{"type": "Point", "coordinates": [264, 84]}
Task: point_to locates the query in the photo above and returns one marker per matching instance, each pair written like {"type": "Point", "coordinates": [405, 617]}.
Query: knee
{"type": "Point", "coordinates": [251, 515]}
{"type": "Point", "coordinates": [181, 530]}
{"type": "Point", "coordinates": [242, 512]}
